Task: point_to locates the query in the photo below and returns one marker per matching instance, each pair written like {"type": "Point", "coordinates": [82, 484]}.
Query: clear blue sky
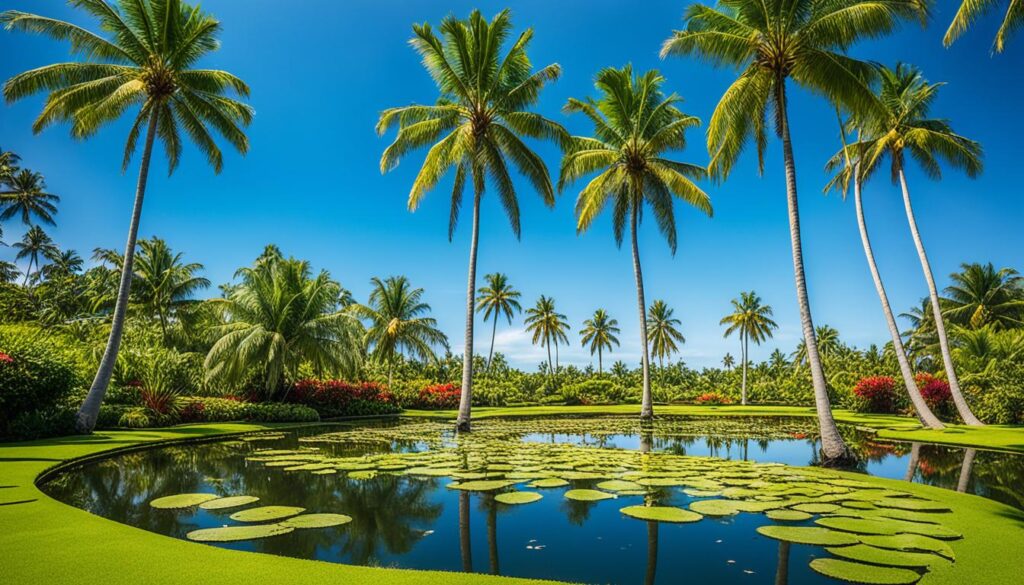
{"type": "Point", "coordinates": [321, 71]}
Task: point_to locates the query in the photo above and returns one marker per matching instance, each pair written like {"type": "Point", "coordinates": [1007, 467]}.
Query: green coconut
{"type": "Point", "coordinates": [179, 501]}
{"type": "Point", "coordinates": [517, 497]}
{"type": "Point", "coordinates": [584, 495]}
{"type": "Point", "coordinates": [316, 520]}
{"type": "Point", "coordinates": [815, 535]}
{"type": "Point", "coordinates": [266, 513]}
{"type": "Point", "coordinates": [235, 533]}
{"type": "Point", "coordinates": [867, 574]}
{"type": "Point", "coordinates": [228, 502]}
{"type": "Point", "coordinates": [661, 514]}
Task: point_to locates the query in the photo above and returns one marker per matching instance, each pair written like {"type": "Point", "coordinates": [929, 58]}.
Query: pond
{"type": "Point", "coordinates": [405, 514]}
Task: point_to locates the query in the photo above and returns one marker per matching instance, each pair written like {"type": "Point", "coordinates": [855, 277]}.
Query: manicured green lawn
{"type": "Point", "coordinates": [44, 541]}
{"type": "Point", "coordinates": [1000, 437]}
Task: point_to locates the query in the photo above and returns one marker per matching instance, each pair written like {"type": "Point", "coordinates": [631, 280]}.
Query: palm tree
{"type": "Point", "coordinates": [728, 362]}
{"type": "Point", "coordinates": [34, 243]}
{"type": "Point", "coordinates": [164, 282]}
{"type": "Point", "coordinates": [829, 345]}
{"type": "Point", "coordinates": [547, 326]}
{"type": "Point", "coordinates": [663, 331]}
{"type": "Point", "coordinates": [25, 195]}
{"type": "Point", "coordinates": [850, 171]}
{"type": "Point", "coordinates": [971, 10]}
{"type": "Point", "coordinates": [8, 165]}
{"type": "Point", "coordinates": [772, 42]}
{"type": "Point", "coordinates": [61, 262]}
{"type": "Point", "coordinates": [777, 361]}
{"type": "Point", "coordinates": [497, 299]}
{"type": "Point", "coordinates": [398, 322]}
{"type": "Point", "coordinates": [8, 272]}
{"type": "Point", "coordinates": [753, 321]}
{"type": "Point", "coordinates": [981, 295]}
{"type": "Point", "coordinates": [635, 124]}
{"type": "Point", "coordinates": [599, 333]}
{"type": "Point", "coordinates": [482, 115]}
{"type": "Point", "coordinates": [904, 128]}
{"type": "Point", "coordinates": [280, 317]}
{"type": "Point", "coordinates": [146, 63]}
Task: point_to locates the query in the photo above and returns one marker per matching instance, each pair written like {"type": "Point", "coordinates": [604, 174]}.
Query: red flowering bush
{"type": "Point", "coordinates": [334, 398]}
{"type": "Point", "coordinates": [876, 394]}
{"type": "Point", "coordinates": [713, 398]}
{"type": "Point", "coordinates": [194, 411]}
{"type": "Point", "coordinates": [935, 392]}
{"type": "Point", "coordinates": [439, 397]}
{"type": "Point", "coordinates": [5, 359]}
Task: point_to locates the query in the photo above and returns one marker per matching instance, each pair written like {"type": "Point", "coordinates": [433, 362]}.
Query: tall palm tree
{"type": "Point", "coordinates": [474, 130]}
{"type": "Point", "coordinates": [981, 295]}
{"type": "Point", "coordinates": [398, 322]}
{"type": "Point", "coordinates": [24, 194]}
{"type": "Point", "coordinates": [753, 321]}
{"type": "Point", "coordinates": [903, 128]}
{"type": "Point", "coordinates": [663, 331]}
{"type": "Point", "coordinates": [772, 42]}
{"type": "Point", "coordinates": [62, 262]}
{"type": "Point", "coordinates": [728, 362]}
{"type": "Point", "coordinates": [849, 159]}
{"type": "Point", "coordinates": [547, 326]}
{"type": "Point", "coordinates": [8, 165]}
{"type": "Point", "coordinates": [145, 62]}
{"type": "Point", "coordinates": [971, 10]}
{"type": "Point", "coordinates": [777, 361]}
{"type": "Point", "coordinates": [599, 333]}
{"type": "Point", "coordinates": [635, 124]}
{"type": "Point", "coordinates": [34, 243]}
{"type": "Point", "coordinates": [164, 282]}
{"type": "Point", "coordinates": [277, 318]}
{"type": "Point", "coordinates": [829, 345]}
{"type": "Point", "coordinates": [497, 299]}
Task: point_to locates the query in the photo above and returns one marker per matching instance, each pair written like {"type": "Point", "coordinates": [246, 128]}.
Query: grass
{"type": "Point", "coordinates": [45, 541]}
{"type": "Point", "coordinates": [887, 426]}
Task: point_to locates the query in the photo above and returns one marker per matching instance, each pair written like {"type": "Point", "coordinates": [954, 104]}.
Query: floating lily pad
{"type": "Point", "coordinates": [911, 504]}
{"type": "Point", "coordinates": [661, 514]}
{"type": "Point", "coordinates": [886, 526]}
{"type": "Point", "coordinates": [483, 485]}
{"type": "Point", "coordinates": [266, 513]}
{"type": "Point", "coordinates": [588, 495]}
{"type": "Point", "coordinates": [910, 542]}
{"type": "Point", "coordinates": [180, 501]}
{"type": "Point", "coordinates": [715, 507]}
{"type": "Point", "coordinates": [618, 485]}
{"type": "Point", "coordinates": [518, 497]}
{"type": "Point", "coordinates": [548, 482]}
{"type": "Point", "coordinates": [235, 533]}
{"type": "Point", "coordinates": [787, 515]}
{"type": "Point", "coordinates": [812, 508]}
{"type": "Point", "coordinates": [867, 574]}
{"type": "Point", "coordinates": [697, 493]}
{"type": "Point", "coordinates": [661, 482]}
{"type": "Point", "coordinates": [316, 520]}
{"type": "Point", "coordinates": [808, 535]}
{"type": "Point", "coordinates": [888, 557]}
{"type": "Point", "coordinates": [228, 502]}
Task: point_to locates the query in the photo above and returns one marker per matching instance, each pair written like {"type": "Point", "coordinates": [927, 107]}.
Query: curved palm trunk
{"type": "Point", "coordinates": [965, 470]}
{"type": "Point", "coordinates": [90, 409]}
{"type": "Point", "coordinates": [465, 543]}
{"type": "Point", "coordinates": [833, 448]}
{"type": "Point", "coordinates": [746, 349]}
{"type": "Point", "coordinates": [465, 401]}
{"type": "Point", "coordinates": [920, 406]}
{"type": "Point", "coordinates": [494, 333]}
{"type": "Point", "coordinates": [646, 401]}
{"type": "Point", "coordinates": [915, 457]}
{"type": "Point", "coordinates": [940, 327]}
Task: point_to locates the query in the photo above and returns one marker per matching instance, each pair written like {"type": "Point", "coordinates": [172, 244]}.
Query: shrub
{"type": "Point", "coordinates": [712, 398]}
{"type": "Point", "coordinates": [935, 392]}
{"type": "Point", "coordinates": [110, 415]}
{"type": "Point", "coordinates": [594, 390]}
{"type": "Point", "coordinates": [439, 397]}
{"type": "Point", "coordinates": [337, 398]}
{"type": "Point", "coordinates": [135, 418]}
{"type": "Point", "coordinates": [280, 412]}
{"type": "Point", "coordinates": [35, 375]}
{"type": "Point", "coordinates": [42, 423]}
{"type": "Point", "coordinates": [876, 394]}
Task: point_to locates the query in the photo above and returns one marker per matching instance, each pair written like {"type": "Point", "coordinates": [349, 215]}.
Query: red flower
{"type": "Point", "coordinates": [5, 359]}
{"type": "Point", "coordinates": [934, 390]}
{"type": "Point", "coordinates": [439, 397]}
{"type": "Point", "coordinates": [712, 398]}
{"type": "Point", "coordinates": [878, 391]}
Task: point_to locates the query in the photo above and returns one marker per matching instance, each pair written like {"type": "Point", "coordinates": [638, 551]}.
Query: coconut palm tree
{"type": "Point", "coordinates": [145, 64]}
{"type": "Point", "coordinates": [8, 165]}
{"type": "Point", "coordinates": [277, 318]}
{"type": "Point", "coordinates": [771, 43]}
{"type": "Point", "coordinates": [497, 299]}
{"type": "Point", "coordinates": [663, 331]}
{"type": "Point", "coordinates": [981, 295]}
{"type": "Point", "coordinates": [34, 243]}
{"type": "Point", "coordinates": [848, 172]}
{"type": "Point", "coordinates": [24, 195]}
{"type": "Point", "coordinates": [474, 131]}
{"type": "Point", "coordinates": [777, 361]}
{"type": "Point", "coordinates": [547, 326]}
{"type": "Point", "coordinates": [164, 282]}
{"type": "Point", "coordinates": [599, 333]}
{"type": "Point", "coordinates": [728, 362]}
{"type": "Point", "coordinates": [398, 322]}
{"type": "Point", "coordinates": [971, 10]}
{"type": "Point", "coordinates": [635, 125]}
{"type": "Point", "coordinates": [753, 321]}
{"type": "Point", "coordinates": [61, 263]}
{"type": "Point", "coordinates": [903, 128]}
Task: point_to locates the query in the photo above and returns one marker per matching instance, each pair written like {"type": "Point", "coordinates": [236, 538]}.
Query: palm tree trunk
{"type": "Point", "coordinates": [965, 470]}
{"type": "Point", "coordinates": [920, 406]}
{"type": "Point", "coordinates": [391, 367]}
{"type": "Point", "coordinates": [646, 401]}
{"type": "Point", "coordinates": [557, 365]}
{"type": "Point", "coordinates": [782, 569]}
{"type": "Point", "coordinates": [492, 535]}
{"type": "Point", "coordinates": [551, 368]}
{"type": "Point", "coordinates": [940, 327]}
{"type": "Point", "coordinates": [652, 553]}
{"type": "Point", "coordinates": [465, 544]}
{"type": "Point", "coordinates": [90, 409]}
{"type": "Point", "coordinates": [746, 348]}
{"type": "Point", "coordinates": [915, 457]}
{"type": "Point", "coordinates": [465, 401]}
{"type": "Point", "coordinates": [600, 365]}
{"type": "Point", "coordinates": [494, 333]}
{"type": "Point", "coordinates": [833, 447]}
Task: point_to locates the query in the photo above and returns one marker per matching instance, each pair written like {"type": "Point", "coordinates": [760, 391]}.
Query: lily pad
{"type": "Point", "coordinates": [814, 508]}
{"type": "Point", "coordinates": [910, 542]}
{"type": "Point", "coordinates": [715, 507]}
{"type": "Point", "coordinates": [235, 533]}
{"type": "Point", "coordinates": [808, 535]}
{"type": "Point", "coordinates": [661, 514]}
{"type": "Point", "coordinates": [548, 482]}
{"type": "Point", "coordinates": [888, 557]}
{"type": "Point", "coordinates": [867, 574]}
{"type": "Point", "coordinates": [316, 520]}
{"type": "Point", "coordinates": [911, 504]}
{"type": "Point", "coordinates": [517, 497]}
{"type": "Point", "coordinates": [482, 485]}
{"type": "Point", "coordinates": [886, 526]}
{"type": "Point", "coordinates": [266, 513]}
{"type": "Point", "coordinates": [618, 485]}
{"type": "Point", "coordinates": [698, 493]}
{"type": "Point", "coordinates": [787, 515]}
{"type": "Point", "coordinates": [588, 495]}
{"type": "Point", "coordinates": [228, 502]}
{"type": "Point", "coordinates": [180, 501]}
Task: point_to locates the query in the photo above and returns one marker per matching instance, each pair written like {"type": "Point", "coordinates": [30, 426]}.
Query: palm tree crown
{"type": "Point", "coordinates": [981, 295]}
{"type": "Point", "coordinates": [599, 334]}
{"type": "Point", "coordinates": [547, 325]}
{"type": "Point", "coordinates": [498, 298]}
{"type": "Point", "coordinates": [34, 243]}
{"type": "Point", "coordinates": [164, 282]}
{"type": "Point", "coordinates": [750, 318]}
{"type": "Point", "coordinates": [24, 194]}
{"type": "Point", "coordinates": [663, 331]}
{"type": "Point", "coordinates": [971, 10]}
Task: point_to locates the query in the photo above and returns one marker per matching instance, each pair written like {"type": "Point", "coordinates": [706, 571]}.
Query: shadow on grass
{"type": "Point", "coordinates": [15, 503]}
{"type": "Point", "coordinates": [24, 459]}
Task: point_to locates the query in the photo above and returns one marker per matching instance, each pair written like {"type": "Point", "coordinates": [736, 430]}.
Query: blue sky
{"type": "Point", "coordinates": [322, 70]}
